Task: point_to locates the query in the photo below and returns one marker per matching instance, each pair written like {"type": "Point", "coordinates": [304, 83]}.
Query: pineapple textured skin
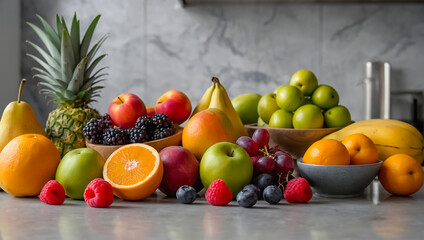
{"type": "Point", "coordinates": [64, 127]}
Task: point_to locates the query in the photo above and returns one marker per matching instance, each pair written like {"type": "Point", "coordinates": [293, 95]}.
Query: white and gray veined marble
{"type": "Point", "coordinates": [155, 46]}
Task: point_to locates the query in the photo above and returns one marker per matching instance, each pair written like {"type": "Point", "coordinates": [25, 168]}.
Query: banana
{"type": "Point", "coordinates": [390, 137]}
{"type": "Point", "coordinates": [221, 101]}
{"type": "Point", "coordinates": [216, 97]}
{"type": "Point", "coordinates": [205, 100]}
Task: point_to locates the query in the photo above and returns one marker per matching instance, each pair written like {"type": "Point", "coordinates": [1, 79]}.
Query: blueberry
{"type": "Point", "coordinates": [247, 198]}
{"type": "Point", "coordinates": [253, 188]}
{"type": "Point", "coordinates": [186, 194]}
{"type": "Point", "coordinates": [263, 180]}
{"type": "Point", "coordinates": [272, 194]}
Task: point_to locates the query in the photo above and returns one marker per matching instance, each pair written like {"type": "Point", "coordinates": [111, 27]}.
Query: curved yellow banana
{"type": "Point", "coordinates": [221, 101]}
{"type": "Point", "coordinates": [205, 100]}
{"type": "Point", "coordinates": [389, 136]}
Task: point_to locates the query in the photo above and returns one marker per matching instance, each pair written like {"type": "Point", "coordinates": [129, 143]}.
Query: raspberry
{"type": "Point", "coordinates": [98, 193]}
{"type": "Point", "coordinates": [298, 190]}
{"type": "Point", "coordinates": [53, 193]}
{"type": "Point", "coordinates": [218, 193]}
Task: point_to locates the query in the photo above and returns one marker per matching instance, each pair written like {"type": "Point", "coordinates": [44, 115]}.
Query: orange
{"type": "Point", "coordinates": [327, 152]}
{"type": "Point", "coordinates": [134, 171]}
{"type": "Point", "coordinates": [401, 174]}
{"type": "Point", "coordinates": [27, 162]}
{"type": "Point", "coordinates": [361, 149]}
{"type": "Point", "coordinates": [206, 128]}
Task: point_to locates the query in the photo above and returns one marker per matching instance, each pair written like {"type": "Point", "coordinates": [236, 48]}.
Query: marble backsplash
{"type": "Point", "coordinates": [155, 46]}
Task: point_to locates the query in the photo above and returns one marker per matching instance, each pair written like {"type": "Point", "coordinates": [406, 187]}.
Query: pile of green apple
{"type": "Point", "coordinates": [301, 105]}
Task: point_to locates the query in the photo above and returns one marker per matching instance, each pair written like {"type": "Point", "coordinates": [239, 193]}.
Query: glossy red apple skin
{"type": "Point", "coordinates": [175, 104]}
{"type": "Point", "coordinates": [151, 111]}
{"type": "Point", "coordinates": [125, 109]}
{"type": "Point", "coordinates": [180, 167]}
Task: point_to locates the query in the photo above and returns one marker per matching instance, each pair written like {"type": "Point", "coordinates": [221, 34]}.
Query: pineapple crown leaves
{"type": "Point", "coordinates": [68, 62]}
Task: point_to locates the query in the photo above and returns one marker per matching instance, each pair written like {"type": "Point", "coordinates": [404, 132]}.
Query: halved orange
{"type": "Point", "coordinates": [134, 171]}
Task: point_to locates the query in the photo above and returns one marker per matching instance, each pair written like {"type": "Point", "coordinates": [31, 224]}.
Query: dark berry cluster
{"type": "Point", "coordinates": [152, 128]}
{"type": "Point", "coordinates": [138, 135]}
{"type": "Point", "coordinates": [161, 120]}
{"type": "Point", "coordinates": [94, 129]}
{"type": "Point", "coordinates": [115, 136]}
{"type": "Point", "coordinates": [101, 131]}
{"type": "Point", "coordinates": [162, 132]}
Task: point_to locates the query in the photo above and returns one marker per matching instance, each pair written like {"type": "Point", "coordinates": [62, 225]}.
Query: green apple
{"type": "Point", "coordinates": [262, 123]}
{"type": "Point", "coordinates": [77, 169]}
{"type": "Point", "coordinates": [267, 106]}
{"type": "Point", "coordinates": [289, 98]}
{"type": "Point", "coordinates": [305, 80]}
{"type": "Point", "coordinates": [338, 116]}
{"type": "Point", "coordinates": [308, 116]}
{"type": "Point", "coordinates": [281, 119]}
{"type": "Point", "coordinates": [229, 162]}
{"type": "Point", "coordinates": [325, 97]}
{"type": "Point", "coordinates": [246, 106]}
{"type": "Point", "coordinates": [278, 88]}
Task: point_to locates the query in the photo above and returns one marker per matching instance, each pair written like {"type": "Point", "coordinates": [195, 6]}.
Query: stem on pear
{"type": "Point", "coordinates": [20, 89]}
{"type": "Point", "coordinates": [120, 100]}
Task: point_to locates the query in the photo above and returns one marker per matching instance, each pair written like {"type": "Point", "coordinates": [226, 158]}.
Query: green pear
{"type": "Point", "coordinates": [18, 118]}
{"type": "Point", "coordinates": [246, 106]}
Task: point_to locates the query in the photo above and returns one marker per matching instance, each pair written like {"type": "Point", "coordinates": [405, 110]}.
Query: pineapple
{"type": "Point", "coordinates": [68, 77]}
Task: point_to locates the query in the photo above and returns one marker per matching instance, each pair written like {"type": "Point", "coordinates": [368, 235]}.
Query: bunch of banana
{"type": "Point", "coordinates": [389, 136]}
{"type": "Point", "coordinates": [216, 97]}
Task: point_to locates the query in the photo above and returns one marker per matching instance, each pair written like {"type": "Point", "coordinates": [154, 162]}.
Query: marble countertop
{"type": "Point", "coordinates": [374, 215]}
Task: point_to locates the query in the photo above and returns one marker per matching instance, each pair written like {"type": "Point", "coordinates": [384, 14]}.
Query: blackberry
{"type": "Point", "coordinates": [115, 136]}
{"type": "Point", "coordinates": [144, 122]}
{"type": "Point", "coordinates": [93, 130]}
{"type": "Point", "coordinates": [161, 120]}
{"type": "Point", "coordinates": [162, 133]}
{"type": "Point", "coordinates": [138, 135]}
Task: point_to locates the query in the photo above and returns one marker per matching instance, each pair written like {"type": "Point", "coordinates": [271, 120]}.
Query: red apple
{"type": "Point", "coordinates": [151, 111]}
{"type": "Point", "coordinates": [175, 104]}
{"type": "Point", "coordinates": [125, 109]}
{"type": "Point", "coordinates": [180, 167]}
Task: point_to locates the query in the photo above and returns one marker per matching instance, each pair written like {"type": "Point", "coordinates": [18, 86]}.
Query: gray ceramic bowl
{"type": "Point", "coordinates": [339, 181]}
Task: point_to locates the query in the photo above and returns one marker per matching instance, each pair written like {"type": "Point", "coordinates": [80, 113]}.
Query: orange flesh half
{"type": "Point", "coordinates": [131, 165]}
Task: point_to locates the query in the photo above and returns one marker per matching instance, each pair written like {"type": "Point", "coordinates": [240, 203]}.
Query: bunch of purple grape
{"type": "Point", "coordinates": [265, 159]}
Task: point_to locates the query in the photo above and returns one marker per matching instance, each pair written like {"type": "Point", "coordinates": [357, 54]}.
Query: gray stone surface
{"type": "Point", "coordinates": [374, 215]}
{"type": "Point", "coordinates": [155, 46]}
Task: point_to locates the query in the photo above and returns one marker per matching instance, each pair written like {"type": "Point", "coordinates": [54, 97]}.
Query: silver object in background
{"type": "Point", "coordinates": [377, 90]}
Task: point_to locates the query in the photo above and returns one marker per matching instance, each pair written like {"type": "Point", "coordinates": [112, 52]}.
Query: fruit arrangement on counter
{"type": "Point", "coordinates": [212, 151]}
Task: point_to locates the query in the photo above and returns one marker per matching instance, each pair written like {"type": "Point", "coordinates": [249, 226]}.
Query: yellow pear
{"type": "Point", "coordinates": [18, 118]}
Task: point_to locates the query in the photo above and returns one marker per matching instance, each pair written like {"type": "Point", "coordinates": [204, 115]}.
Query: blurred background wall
{"type": "Point", "coordinates": [10, 47]}
{"type": "Point", "coordinates": [155, 46]}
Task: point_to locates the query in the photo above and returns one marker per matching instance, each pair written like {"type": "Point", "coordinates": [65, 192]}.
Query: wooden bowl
{"type": "Point", "coordinates": [174, 140]}
{"type": "Point", "coordinates": [293, 141]}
